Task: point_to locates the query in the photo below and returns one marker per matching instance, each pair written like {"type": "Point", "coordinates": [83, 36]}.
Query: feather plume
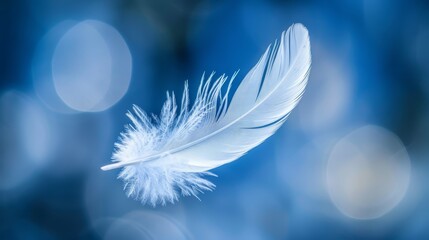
{"type": "Point", "coordinates": [168, 156]}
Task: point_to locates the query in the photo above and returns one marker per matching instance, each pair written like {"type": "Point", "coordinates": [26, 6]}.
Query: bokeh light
{"type": "Point", "coordinates": [368, 172]}
{"type": "Point", "coordinates": [42, 68]}
{"type": "Point", "coordinates": [148, 225]}
{"type": "Point", "coordinates": [91, 66]}
{"type": "Point", "coordinates": [26, 139]}
{"type": "Point", "coordinates": [331, 89]}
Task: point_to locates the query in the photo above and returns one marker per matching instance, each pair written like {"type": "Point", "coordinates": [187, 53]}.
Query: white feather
{"type": "Point", "coordinates": [166, 156]}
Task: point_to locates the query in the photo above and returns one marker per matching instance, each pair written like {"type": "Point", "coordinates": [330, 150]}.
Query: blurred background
{"type": "Point", "coordinates": [351, 162]}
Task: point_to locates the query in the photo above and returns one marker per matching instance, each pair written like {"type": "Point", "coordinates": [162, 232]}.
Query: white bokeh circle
{"type": "Point", "coordinates": [25, 140]}
{"type": "Point", "coordinates": [368, 173]}
{"type": "Point", "coordinates": [91, 66]}
{"type": "Point", "coordinates": [146, 225]}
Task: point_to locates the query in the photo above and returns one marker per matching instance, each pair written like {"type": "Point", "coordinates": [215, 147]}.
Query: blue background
{"type": "Point", "coordinates": [370, 66]}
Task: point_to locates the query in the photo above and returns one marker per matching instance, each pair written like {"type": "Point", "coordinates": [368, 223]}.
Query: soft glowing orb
{"type": "Point", "coordinates": [25, 139]}
{"type": "Point", "coordinates": [146, 225]}
{"type": "Point", "coordinates": [42, 68]}
{"type": "Point", "coordinates": [91, 66]}
{"type": "Point", "coordinates": [331, 86]}
{"type": "Point", "coordinates": [368, 173]}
